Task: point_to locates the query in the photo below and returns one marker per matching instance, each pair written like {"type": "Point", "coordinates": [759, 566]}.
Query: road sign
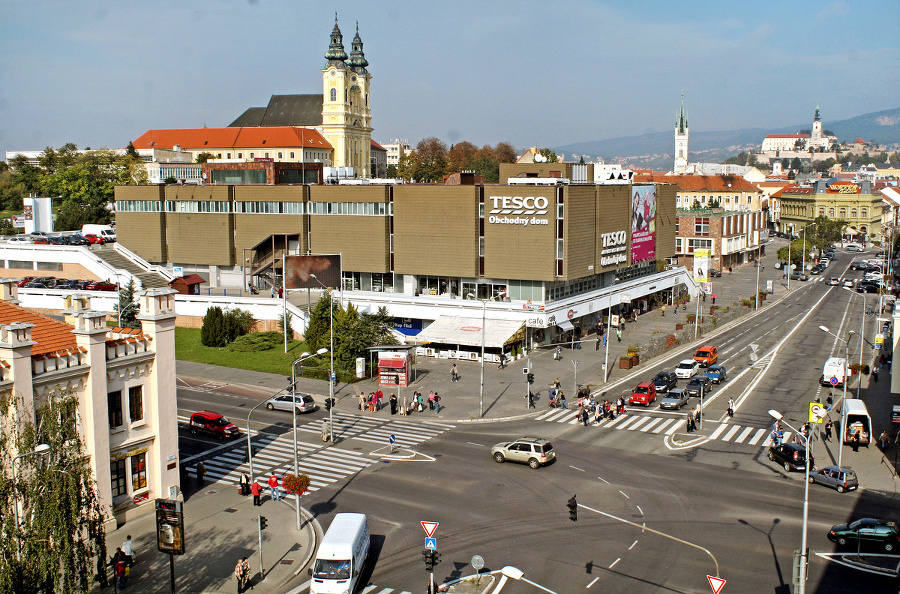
{"type": "Point", "coordinates": [715, 583]}
{"type": "Point", "coordinates": [477, 562]}
{"type": "Point", "coordinates": [817, 412]}
{"type": "Point", "coordinates": [392, 439]}
{"type": "Point", "coordinates": [431, 543]}
{"type": "Point", "coordinates": [834, 381]}
{"type": "Point", "coordinates": [429, 528]}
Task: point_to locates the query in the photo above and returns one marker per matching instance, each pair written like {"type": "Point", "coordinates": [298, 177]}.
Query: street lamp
{"type": "Point", "coordinates": [758, 268]}
{"type": "Point", "coordinates": [842, 431]}
{"type": "Point", "coordinates": [862, 330]}
{"type": "Point", "coordinates": [303, 357]}
{"type": "Point", "coordinates": [804, 555]}
{"type": "Point", "coordinates": [38, 450]}
{"type": "Point", "coordinates": [331, 356]}
{"type": "Point", "coordinates": [803, 254]}
{"type": "Point", "coordinates": [483, 322]}
{"type": "Point", "coordinates": [123, 310]}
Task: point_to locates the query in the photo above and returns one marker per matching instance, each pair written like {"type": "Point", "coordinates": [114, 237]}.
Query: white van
{"type": "Point", "coordinates": [834, 368]}
{"type": "Point", "coordinates": [105, 231]}
{"type": "Point", "coordinates": [856, 419]}
{"type": "Point", "coordinates": [341, 556]}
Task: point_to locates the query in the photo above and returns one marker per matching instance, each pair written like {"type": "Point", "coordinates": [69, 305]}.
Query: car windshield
{"type": "Point", "coordinates": [686, 365]}
{"type": "Point", "coordinates": [642, 390]}
{"type": "Point", "coordinates": [702, 354]}
{"type": "Point", "coordinates": [661, 377]}
{"type": "Point", "coordinates": [220, 422]}
{"type": "Point", "coordinates": [332, 569]}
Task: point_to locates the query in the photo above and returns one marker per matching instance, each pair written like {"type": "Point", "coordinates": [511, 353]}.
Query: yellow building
{"type": "Point", "coordinates": [856, 204]}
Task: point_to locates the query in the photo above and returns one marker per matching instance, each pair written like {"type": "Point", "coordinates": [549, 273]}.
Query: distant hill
{"type": "Point", "coordinates": [655, 149]}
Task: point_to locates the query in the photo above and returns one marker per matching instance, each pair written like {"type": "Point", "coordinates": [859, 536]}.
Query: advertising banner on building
{"type": "Point", "coordinates": [299, 271]}
{"type": "Point", "coordinates": [701, 266]}
{"type": "Point", "coordinates": [643, 223]}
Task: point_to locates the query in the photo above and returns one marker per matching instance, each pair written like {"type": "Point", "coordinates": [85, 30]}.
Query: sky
{"type": "Point", "coordinates": [532, 73]}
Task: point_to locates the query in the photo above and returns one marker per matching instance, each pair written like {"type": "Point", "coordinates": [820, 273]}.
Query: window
{"type": "Point", "coordinates": [852, 213]}
{"type": "Point", "coordinates": [679, 245]}
{"type": "Point", "coordinates": [701, 226]}
{"type": "Point", "coordinates": [831, 213]}
{"type": "Point", "coordinates": [136, 403]}
{"type": "Point", "coordinates": [699, 244]}
{"type": "Point", "coordinates": [138, 472]}
{"type": "Point", "coordinates": [280, 155]}
{"type": "Point", "coordinates": [114, 404]}
{"type": "Point", "coordinates": [333, 94]}
{"type": "Point", "coordinates": [864, 213]}
{"type": "Point", "coordinates": [117, 477]}
{"type": "Point", "coordinates": [842, 213]}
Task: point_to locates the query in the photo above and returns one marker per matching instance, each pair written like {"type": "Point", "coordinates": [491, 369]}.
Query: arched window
{"type": "Point", "coordinates": [333, 94]}
{"type": "Point", "coordinates": [843, 212]}
{"type": "Point", "coordinates": [822, 211]}
{"type": "Point", "coordinates": [831, 213]}
{"type": "Point", "coordinates": [864, 213]}
{"type": "Point", "coordinates": [852, 213]}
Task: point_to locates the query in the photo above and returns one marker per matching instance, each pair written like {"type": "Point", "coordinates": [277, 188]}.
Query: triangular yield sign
{"type": "Point", "coordinates": [429, 527]}
{"type": "Point", "coordinates": [716, 583]}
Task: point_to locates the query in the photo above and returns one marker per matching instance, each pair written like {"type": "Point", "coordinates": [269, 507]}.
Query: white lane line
{"type": "Point", "coordinates": [717, 432]}
{"type": "Point", "coordinates": [603, 479]}
{"type": "Point", "coordinates": [593, 581]}
{"type": "Point", "coordinates": [641, 512]}
{"type": "Point", "coordinates": [734, 429]}
{"type": "Point", "coordinates": [618, 419]}
{"type": "Point", "coordinates": [664, 425]}
{"type": "Point", "coordinates": [757, 437]}
{"type": "Point", "coordinates": [623, 493]}
{"type": "Point", "coordinates": [740, 438]}
{"type": "Point", "coordinates": [614, 562]}
{"type": "Point", "coordinates": [543, 416]}
{"type": "Point", "coordinates": [576, 468]}
{"type": "Point", "coordinates": [475, 444]}
{"type": "Point", "coordinates": [651, 424]}
{"type": "Point", "coordinates": [628, 422]}
{"type": "Point", "coordinates": [639, 423]}
{"type": "Point", "coordinates": [632, 545]}
{"type": "Point", "coordinates": [672, 429]}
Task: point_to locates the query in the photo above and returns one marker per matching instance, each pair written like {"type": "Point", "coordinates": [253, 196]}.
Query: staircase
{"type": "Point", "coordinates": [117, 259]}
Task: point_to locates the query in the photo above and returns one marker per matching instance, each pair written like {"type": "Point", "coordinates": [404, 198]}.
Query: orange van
{"type": "Point", "coordinates": [707, 355]}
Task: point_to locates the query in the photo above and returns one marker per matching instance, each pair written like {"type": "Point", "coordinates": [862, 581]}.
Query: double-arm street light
{"type": "Point", "coordinates": [38, 450]}
{"type": "Point", "coordinates": [331, 356]}
{"type": "Point", "coordinates": [804, 555]}
{"type": "Point", "coordinates": [483, 321]}
{"type": "Point", "coordinates": [303, 357]}
{"type": "Point", "coordinates": [841, 430]}
{"type": "Point", "coordinates": [124, 309]}
{"type": "Point", "coordinates": [803, 255]}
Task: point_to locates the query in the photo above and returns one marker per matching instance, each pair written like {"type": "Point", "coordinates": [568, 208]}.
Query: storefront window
{"type": "Point", "coordinates": [117, 477]}
{"type": "Point", "coordinates": [138, 471]}
{"type": "Point", "coordinates": [350, 280]}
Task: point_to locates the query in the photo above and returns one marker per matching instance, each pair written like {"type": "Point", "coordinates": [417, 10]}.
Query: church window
{"type": "Point", "coordinates": [251, 155]}
{"type": "Point", "coordinates": [240, 155]}
{"type": "Point", "coordinates": [279, 155]}
{"type": "Point", "coordinates": [228, 155]}
{"type": "Point", "coordinates": [292, 154]}
{"type": "Point", "coordinates": [333, 94]}
{"type": "Point", "coordinates": [267, 155]}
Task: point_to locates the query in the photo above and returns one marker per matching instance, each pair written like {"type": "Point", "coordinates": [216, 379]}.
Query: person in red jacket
{"type": "Point", "coordinates": [273, 485]}
{"type": "Point", "coordinates": [256, 491]}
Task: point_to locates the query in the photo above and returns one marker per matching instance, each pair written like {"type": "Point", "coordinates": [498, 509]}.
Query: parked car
{"type": "Point", "coordinates": [716, 374]}
{"type": "Point", "coordinates": [858, 265]}
{"type": "Point", "coordinates": [71, 284]}
{"type": "Point", "coordinates": [834, 281]}
{"type": "Point", "coordinates": [25, 279]}
{"type": "Point", "coordinates": [687, 369]}
{"type": "Point", "coordinates": [100, 286]}
{"type": "Point", "coordinates": [854, 248]}
{"type": "Point", "coordinates": [77, 239]}
{"type": "Point", "coordinates": [56, 240]}
{"type": "Point", "coordinates": [799, 276]}
{"type": "Point", "coordinates": [665, 381]}
{"type": "Point", "coordinates": [35, 285]}
{"type": "Point", "coordinates": [94, 238]}
{"type": "Point", "coordinates": [848, 282]}
{"type": "Point", "coordinates": [533, 451]}
{"type": "Point", "coordinates": [790, 455]}
{"type": "Point", "coordinates": [212, 423]}
{"type": "Point", "coordinates": [304, 402]}
{"type": "Point", "coordinates": [697, 383]}
{"type": "Point", "coordinates": [817, 269]}
{"type": "Point", "coordinates": [836, 477]}
{"type": "Point", "coordinates": [675, 399]}
{"type": "Point", "coordinates": [714, 273]}
{"type": "Point", "coordinates": [867, 531]}
{"type": "Point", "coordinates": [866, 287]}
{"type": "Point", "coordinates": [20, 239]}
{"type": "Point", "coordinates": [644, 393]}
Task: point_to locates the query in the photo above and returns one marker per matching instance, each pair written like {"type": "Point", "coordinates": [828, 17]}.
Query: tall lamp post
{"type": "Point", "coordinates": [38, 450]}
{"type": "Point", "coordinates": [123, 310]}
{"type": "Point", "coordinates": [483, 322]}
{"type": "Point", "coordinates": [842, 430]}
{"type": "Point", "coordinates": [331, 356]}
{"type": "Point", "coordinates": [303, 357]}
{"type": "Point", "coordinates": [758, 268]}
{"type": "Point", "coordinates": [803, 255]}
{"type": "Point", "coordinates": [804, 555]}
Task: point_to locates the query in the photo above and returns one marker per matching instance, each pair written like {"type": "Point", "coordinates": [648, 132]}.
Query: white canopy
{"type": "Point", "coordinates": [467, 331]}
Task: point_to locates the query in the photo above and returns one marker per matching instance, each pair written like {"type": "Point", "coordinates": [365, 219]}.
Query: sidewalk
{"type": "Point", "coordinates": [220, 528]}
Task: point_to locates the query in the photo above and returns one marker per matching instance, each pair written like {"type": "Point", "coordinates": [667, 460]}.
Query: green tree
{"type": "Point", "coordinates": [204, 157]}
{"type": "Point", "coordinates": [11, 191]}
{"type": "Point", "coordinates": [392, 171]}
{"type": "Point", "coordinates": [212, 332]}
{"type": "Point", "coordinates": [714, 203]}
{"type": "Point", "coordinates": [319, 328]}
{"type": "Point", "coordinates": [60, 534]}
{"type": "Point", "coordinates": [895, 158]}
{"type": "Point", "coordinates": [127, 306]}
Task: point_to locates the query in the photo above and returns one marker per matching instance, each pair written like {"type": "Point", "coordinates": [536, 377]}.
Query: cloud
{"type": "Point", "coordinates": [833, 10]}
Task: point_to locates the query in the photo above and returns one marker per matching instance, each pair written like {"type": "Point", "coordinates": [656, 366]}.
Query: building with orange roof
{"type": "Point", "coordinates": [856, 203]}
{"type": "Point", "coordinates": [729, 192]}
{"type": "Point", "coordinates": [124, 380]}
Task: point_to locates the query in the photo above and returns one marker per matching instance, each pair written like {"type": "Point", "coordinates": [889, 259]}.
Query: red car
{"type": "Point", "coordinates": [213, 424]}
{"type": "Point", "coordinates": [644, 393]}
{"type": "Point", "coordinates": [25, 279]}
{"type": "Point", "coordinates": [101, 286]}
{"type": "Point", "coordinates": [94, 238]}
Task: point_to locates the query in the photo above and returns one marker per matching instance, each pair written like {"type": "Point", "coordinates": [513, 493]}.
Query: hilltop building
{"type": "Point", "coordinates": [816, 140]}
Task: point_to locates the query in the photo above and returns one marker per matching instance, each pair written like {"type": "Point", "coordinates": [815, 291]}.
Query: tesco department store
{"type": "Point", "coordinates": [539, 258]}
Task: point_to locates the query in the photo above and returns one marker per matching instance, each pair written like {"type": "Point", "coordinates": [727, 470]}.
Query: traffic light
{"type": "Point", "coordinates": [530, 378]}
{"type": "Point", "coordinates": [435, 558]}
{"type": "Point", "coordinates": [263, 523]}
{"type": "Point", "coordinates": [573, 509]}
{"type": "Point", "coordinates": [428, 555]}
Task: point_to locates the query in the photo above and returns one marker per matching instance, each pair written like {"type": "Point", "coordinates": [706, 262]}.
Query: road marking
{"type": "Point", "coordinates": [614, 562]}
{"type": "Point", "coordinates": [639, 423]}
{"type": "Point", "coordinates": [756, 437]}
{"type": "Point", "coordinates": [651, 424]}
{"type": "Point", "coordinates": [603, 479]}
{"type": "Point", "coordinates": [476, 444]}
{"type": "Point", "coordinates": [642, 513]}
{"type": "Point", "coordinates": [576, 468]}
{"type": "Point", "coordinates": [623, 493]}
{"type": "Point", "coordinates": [664, 425]}
{"type": "Point", "coordinates": [740, 438]}
{"type": "Point", "coordinates": [593, 581]}
{"type": "Point", "coordinates": [717, 432]}
{"type": "Point", "coordinates": [732, 431]}
{"type": "Point", "coordinates": [672, 429]}
{"type": "Point", "coordinates": [632, 544]}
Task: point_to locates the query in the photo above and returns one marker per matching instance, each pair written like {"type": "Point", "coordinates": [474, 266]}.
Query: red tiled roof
{"type": "Point", "coordinates": [793, 190]}
{"type": "Point", "coordinates": [859, 141]}
{"type": "Point", "coordinates": [375, 145]}
{"type": "Point", "coordinates": [51, 335]}
{"type": "Point", "coordinates": [700, 183]}
{"type": "Point", "coordinates": [235, 138]}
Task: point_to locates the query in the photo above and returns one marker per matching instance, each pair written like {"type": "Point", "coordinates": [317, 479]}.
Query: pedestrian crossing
{"type": "Point", "coordinates": [644, 423]}
{"type": "Point", "coordinates": [370, 589]}
{"type": "Point", "coordinates": [274, 454]}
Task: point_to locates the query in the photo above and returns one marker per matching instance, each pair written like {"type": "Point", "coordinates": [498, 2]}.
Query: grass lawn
{"type": "Point", "coordinates": [188, 348]}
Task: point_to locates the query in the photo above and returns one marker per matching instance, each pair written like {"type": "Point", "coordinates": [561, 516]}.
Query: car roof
{"type": "Point", "coordinates": [715, 367]}
{"type": "Point", "coordinates": [208, 414]}
{"type": "Point", "coordinates": [689, 361]}
{"type": "Point", "coordinates": [645, 384]}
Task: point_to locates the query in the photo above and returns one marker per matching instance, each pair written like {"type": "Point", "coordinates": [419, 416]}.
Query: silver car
{"type": "Point", "coordinates": [304, 402]}
{"type": "Point", "coordinates": [533, 451]}
{"type": "Point", "coordinates": [842, 479]}
{"type": "Point", "coordinates": [675, 399]}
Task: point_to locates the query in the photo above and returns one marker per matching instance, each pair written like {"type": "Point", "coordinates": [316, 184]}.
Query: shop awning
{"type": "Point", "coordinates": [391, 363]}
{"type": "Point", "coordinates": [566, 325]}
{"type": "Point", "coordinates": [455, 330]}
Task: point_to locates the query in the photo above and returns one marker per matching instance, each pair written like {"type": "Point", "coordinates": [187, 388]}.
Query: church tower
{"type": "Point", "coordinates": [681, 141]}
{"type": "Point", "coordinates": [346, 117]}
{"type": "Point", "coordinates": [816, 138]}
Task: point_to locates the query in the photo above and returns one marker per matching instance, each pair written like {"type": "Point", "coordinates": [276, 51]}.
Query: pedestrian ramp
{"type": "Point", "coordinates": [380, 430]}
{"type": "Point", "coordinates": [668, 425]}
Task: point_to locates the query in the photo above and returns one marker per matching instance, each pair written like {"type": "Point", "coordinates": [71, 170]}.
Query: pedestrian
{"type": "Point", "coordinates": [697, 414]}
{"type": "Point", "coordinates": [431, 400]}
{"type": "Point", "coordinates": [245, 484]}
{"type": "Point", "coordinates": [420, 402]}
{"type": "Point", "coordinates": [242, 575]}
{"type": "Point", "coordinates": [201, 473]}
{"type": "Point", "coordinates": [502, 360]}
{"type": "Point", "coordinates": [437, 403]}
{"type": "Point", "coordinates": [884, 439]}
{"type": "Point", "coordinates": [619, 335]}
{"type": "Point", "coordinates": [604, 340]}
{"type": "Point", "coordinates": [634, 315]}
{"type": "Point", "coordinates": [690, 422]}
{"type": "Point", "coordinates": [454, 374]}
{"type": "Point", "coordinates": [562, 401]}
{"type": "Point", "coordinates": [128, 550]}
{"type": "Point", "coordinates": [280, 292]}
{"type": "Point", "coordinates": [854, 441]}
{"type": "Point", "coordinates": [557, 355]}
{"type": "Point", "coordinates": [273, 488]}
{"type": "Point", "coordinates": [875, 374]}
{"type": "Point", "coordinates": [663, 310]}
{"type": "Point", "coordinates": [393, 401]}
{"type": "Point", "coordinates": [729, 270]}
{"type": "Point", "coordinates": [714, 298]}
{"type": "Point", "coordinates": [730, 407]}
{"type": "Point", "coordinates": [379, 396]}
{"type": "Point", "coordinates": [531, 399]}
{"type": "Point", "coordinates": [622, 324]}
{"type": "Point", "coordinates": [272, 292]}
{"type": "Point", "coordinates": [403, 406]}
{"type": "Point", "coordinates": [256, 491]}
{"type": "Point", "coordinates": [119, 569]}
{"type": "Point", "coordinates": [584, 417]}
{"type": "Point", "coordinates": [828, 427]}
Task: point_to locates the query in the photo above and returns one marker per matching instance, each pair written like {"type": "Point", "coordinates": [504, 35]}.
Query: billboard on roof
{"type": "Point", "coordinates": [300, 270]}
{"type": "Point", "coordinates": [643, 223]}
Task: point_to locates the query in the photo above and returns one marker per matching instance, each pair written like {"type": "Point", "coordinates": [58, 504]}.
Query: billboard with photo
{"type": "Point", "coordinates": [701, 266]}
{"type": "Point", "coordinates": [299, 271]}
{"type": "Point", "coordinates": [643, 223]}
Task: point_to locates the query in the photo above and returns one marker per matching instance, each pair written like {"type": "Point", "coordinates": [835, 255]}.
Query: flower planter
{"type": "Point", "coordinates": [679, 326]}
{"type": "Point", "coordinates": [625, 363]}
{"type": "Point", "coordinates": [635, 359]}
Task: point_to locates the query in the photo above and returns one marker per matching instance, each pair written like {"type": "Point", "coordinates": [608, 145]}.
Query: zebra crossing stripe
{"type": "Point", "coordinates": [652, 423]}
{"type": "Point", "coordinates": [639, 423]}
{"type": "Point", "coordinates": [732, 431]}
{"type": "Point", "coordinates": [718, 431]}
{"type": "Point", "coordinates": [543, 416]}
{"type": "Point", "coordinates": [740, 438]}
{"type": "Point", "coordinates": [664, 425]}
{"type": "Point", "coordinates": [757, 436]}
{"type": "Point", "coordinates": [672, 429]}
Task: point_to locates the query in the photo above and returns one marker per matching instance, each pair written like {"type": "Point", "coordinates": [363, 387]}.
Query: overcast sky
{"type": "Point", "coordinates": [100, 73]}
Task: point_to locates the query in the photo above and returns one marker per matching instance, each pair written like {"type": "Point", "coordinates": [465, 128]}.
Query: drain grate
{"type": "Point", "coordinates": [287, 562]}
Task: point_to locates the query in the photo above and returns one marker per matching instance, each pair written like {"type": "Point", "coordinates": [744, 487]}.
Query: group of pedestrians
{"type": "Point", "coordinates": [121, 563]}
{"type": "Point", "coordinates": [248, 487]}
{"type": "Point", "coordinates": [372, 401]}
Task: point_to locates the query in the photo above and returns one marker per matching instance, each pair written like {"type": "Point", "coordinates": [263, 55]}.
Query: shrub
{"type": "Point", "coordinates": [295, 484]}
{"type": "Point", "coordinates": [259, 341]}
{"type": "Point", "coordinates": [212, 333]}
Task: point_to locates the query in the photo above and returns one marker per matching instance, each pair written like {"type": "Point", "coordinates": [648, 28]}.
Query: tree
{"type": "Point", "coordinates": [212, 332]}
{"type": "Point", "coordinates": [895, 158]}
{"type": "Point", "coordinates": [204, 157]}
{"type": "Point", "coordinates": [392, 171]}
{"type": "Point", "coordinates": [461, 156]}
{"type": "Point", "coordinates": [11, 191]}
{"type": "Point", "coordinates": [127, 307]}
{"type": "Point", "coordinates": [61, 533]}
{"type": "Point", "coordinates": [714, 203]}
{"type": "Point", "coordinates": [318, 331]}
